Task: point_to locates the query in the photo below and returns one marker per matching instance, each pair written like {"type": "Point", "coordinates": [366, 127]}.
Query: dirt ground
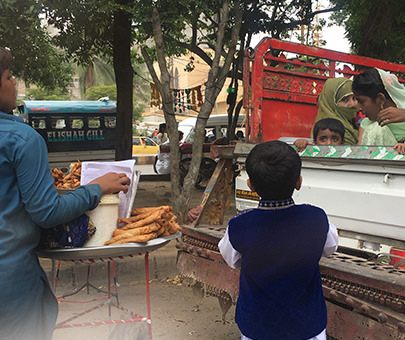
{"type": "Point", "coordinates": [176, 313]}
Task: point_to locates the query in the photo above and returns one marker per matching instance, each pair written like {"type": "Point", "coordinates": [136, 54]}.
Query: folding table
{"type": "Point", "coordinates": [107, 254]}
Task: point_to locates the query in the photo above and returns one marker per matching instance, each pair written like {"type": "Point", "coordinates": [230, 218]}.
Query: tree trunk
{"type": "Point", "coordinates": [216, 78]}
{"type": "Point", "coordinates": [124, 78]}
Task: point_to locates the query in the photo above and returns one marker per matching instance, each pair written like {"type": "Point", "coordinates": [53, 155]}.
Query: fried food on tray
{"type": "Point", "coordinates": [144, 225]}
{"type": "Point", "coordinates": [69, 181]}
{"type": "Point", "coordinates": [137, 231]}
{"type": "Point", "coordinates": [138, 238]}
{"type": "Point", "coordinates": [138, 211]}
{"type": "Point", "coordinates": [154, 216]}
{"type": "Point", "coordinates": [142, 213]}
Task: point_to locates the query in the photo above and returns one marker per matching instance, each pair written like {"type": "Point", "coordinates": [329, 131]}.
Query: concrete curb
{"type": "Point", "coordinates": [162, 264]}
{"type": "Point", "coordinates": [154, 178]}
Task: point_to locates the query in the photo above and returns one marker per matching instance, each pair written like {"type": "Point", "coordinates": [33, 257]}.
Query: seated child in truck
{"type": "Point", "coordinates": [277, 247]}
{"type": "Point", "coordinates": [379, 93]}
{"type": "Point", "coordinates": [327, 131]}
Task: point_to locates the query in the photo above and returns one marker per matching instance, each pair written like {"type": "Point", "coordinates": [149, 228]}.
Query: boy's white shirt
{"type": "Point", "coordinates": [233, 258]}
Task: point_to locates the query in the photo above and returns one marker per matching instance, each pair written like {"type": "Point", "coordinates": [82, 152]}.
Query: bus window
{"type": "Point", "coordinates": [58, 123]}
{"type": "Point", "coordinates": [38, 123]}
{"type": "Point", "coordinates": [94, 122]}
{"type": "Point", "coordinates": [109, 122]}
{"type": "Point", "coordinates": [73, 130]}
{"type": "Point", "coordinates": [76, 123]}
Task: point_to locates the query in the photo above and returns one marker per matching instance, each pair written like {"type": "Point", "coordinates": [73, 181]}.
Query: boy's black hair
{"type": "Point", "coordinates": [334, 125]}
{"type": "Point", "coordinates": [274, 168]}
{"type": "Point", "coordinates": [6, 59]}
{"type": "Point", "coordinates": [369, 83]}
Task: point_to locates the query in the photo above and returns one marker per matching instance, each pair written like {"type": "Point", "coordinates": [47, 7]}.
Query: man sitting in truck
{"type": "Point", "coordinates": [327, 131]}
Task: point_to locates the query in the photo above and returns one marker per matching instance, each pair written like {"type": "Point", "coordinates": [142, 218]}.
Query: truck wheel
{"type": "Point", "coordinates": [207, 167]}
{"type": "Point", "coordinates": [184, 166]}
{"type": "Point", "coordinates": [154, 164]}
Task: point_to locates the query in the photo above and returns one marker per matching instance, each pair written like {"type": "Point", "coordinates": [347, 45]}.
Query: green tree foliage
{"type": "Point", "coordinates": [101, 28]}
{"type": "Point", "coordinates": [48, 94]}
{"type": "Point", "coordinates": [110, 91]}
{"type": "Point", "coordinates": [138, 110]}
{"type": "Point", "coordinates": [375, 28]}
{"type": "Point", "coordinates": [164, 28]}
{"type": "Point", "coordinates": [218, 31]}
{"type": "Point", "coordinates": [97, 73]}
{"type": "Point", "coordinates": [84, 27]}
{"type": "Point", "coordinates": [37, 61]}
{"type": "Point", "coordinates": [97, 92]}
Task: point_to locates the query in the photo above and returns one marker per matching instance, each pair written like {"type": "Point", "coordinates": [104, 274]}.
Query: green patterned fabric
{"type": "Point", "coordinates": [374, 134]}
{"type": "Point", "coordinates": [333, 91]}
{"type": "Point", "coordinates": [397, 93]}
{"type": "Point", "coordinates": [352, 152]}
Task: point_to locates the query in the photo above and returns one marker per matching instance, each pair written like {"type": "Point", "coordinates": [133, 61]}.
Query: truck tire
{"type": "Point", "coordinates": [154, 164]}
{"type": "Point", "coordinates": [207, 168]}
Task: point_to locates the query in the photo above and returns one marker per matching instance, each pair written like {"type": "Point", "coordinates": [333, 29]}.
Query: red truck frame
{"type": "Point", "coordinates": [282, 80]}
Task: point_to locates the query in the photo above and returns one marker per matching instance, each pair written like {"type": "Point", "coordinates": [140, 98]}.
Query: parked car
{"type": "Point", "coordinates": [216, 125]}
{"type": "Point", "coordinates": [142, 145]}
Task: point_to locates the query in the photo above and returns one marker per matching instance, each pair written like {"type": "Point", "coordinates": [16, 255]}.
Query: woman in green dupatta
{"type": "Point", "coordinates": [382, 99]}
{"type": "Point", "coordinates": [337, 101]}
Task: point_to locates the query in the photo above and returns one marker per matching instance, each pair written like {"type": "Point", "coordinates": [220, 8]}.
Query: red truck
{"type": "Point", "coordinates": [359, 187]}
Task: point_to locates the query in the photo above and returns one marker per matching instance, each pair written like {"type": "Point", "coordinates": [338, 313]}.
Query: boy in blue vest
{"type": "Point", "coordinates": [277, 247]}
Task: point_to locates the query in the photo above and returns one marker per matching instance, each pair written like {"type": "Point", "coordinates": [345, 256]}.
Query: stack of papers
{"type": "Point", "coordinates": [93, 170]}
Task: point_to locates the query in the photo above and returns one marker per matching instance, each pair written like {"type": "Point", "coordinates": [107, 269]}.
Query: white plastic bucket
{"type": "Point", "coordinates": [105, 218]}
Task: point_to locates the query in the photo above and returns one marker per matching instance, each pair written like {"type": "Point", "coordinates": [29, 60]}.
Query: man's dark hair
{"type": "Point", "coordinates": [369, 83]}
{"type": "Point", "coordinates": [6, 59]}
{"type": "Point", "coordinates": [162, 126]}
{"type": "Point", "coordinates": [334, 125]}
{"type": "Point", "coordinates": [274, 168]}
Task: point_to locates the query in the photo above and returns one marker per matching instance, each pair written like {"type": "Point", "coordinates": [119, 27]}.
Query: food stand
{"type": "Point", "coordinates": [156, 223]}
{"type": "Point", "coordinates": [108, 254]}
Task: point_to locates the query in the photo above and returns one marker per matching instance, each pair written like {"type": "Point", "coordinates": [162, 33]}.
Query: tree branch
{"type": "Point", "coordinates": [161, 58]}
{"type": "Point", "coordinates": [195, 49]}
{"type": "Point", "coordinates": [194, 33]}
{"type": "Point", "coordinates": [232, 49]}
{"type": "Point", "coordinates": [149, 64]}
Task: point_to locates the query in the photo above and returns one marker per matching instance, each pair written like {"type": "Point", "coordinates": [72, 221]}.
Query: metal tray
{"type": "Point", "coordinates": [106, 252]}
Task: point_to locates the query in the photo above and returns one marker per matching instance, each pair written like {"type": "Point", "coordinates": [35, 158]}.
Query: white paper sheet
{"type": "Point", "coordinates": [134, 184]}
{"type": "Point", "coordinates": [93, 170]}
